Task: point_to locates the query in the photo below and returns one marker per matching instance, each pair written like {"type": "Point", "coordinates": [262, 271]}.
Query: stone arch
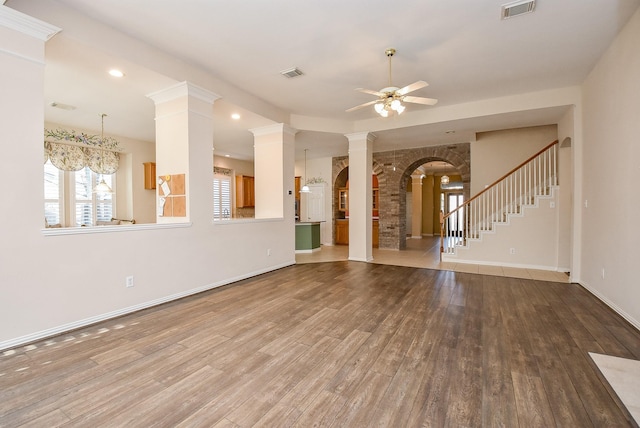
{"type": "Point", "coordinates": [393, 203]}
{"type": "Point", "coordinates": [392, 184]}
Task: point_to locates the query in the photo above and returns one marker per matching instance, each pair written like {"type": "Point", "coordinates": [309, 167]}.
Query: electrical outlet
{"type": "Point", "coordinates": [602, 274]}
{"type": "Point", "coordinates": [512, 250]}
{"type": "Point", "coordinates": [128, 281]}
{"type": "Point", "coordinates": [268, 251]}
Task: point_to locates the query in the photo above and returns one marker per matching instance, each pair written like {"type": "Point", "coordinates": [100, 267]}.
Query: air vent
{"type": "Point", "coordinates": [292, 72]}
{"type": "Point", "coordinates": [62, 106]}
{"type": "Point", "coordinates": [516, 8]}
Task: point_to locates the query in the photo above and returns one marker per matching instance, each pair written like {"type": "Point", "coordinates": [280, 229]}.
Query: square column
{"type": "Point", "coordinates": [360, 196]}
{"type": "Point", "coordinates": [274, 171]}
{"type": "Point", "coordinates": [184, 158]}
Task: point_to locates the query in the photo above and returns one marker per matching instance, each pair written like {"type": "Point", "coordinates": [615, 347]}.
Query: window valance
{"type": "Point", "coordinates": [100, 156]}
{"type": "Point", "coordinates": [68, 157]}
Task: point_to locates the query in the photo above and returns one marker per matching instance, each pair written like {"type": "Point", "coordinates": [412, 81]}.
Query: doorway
{"type": "Point", "coordinates": [456, 224]}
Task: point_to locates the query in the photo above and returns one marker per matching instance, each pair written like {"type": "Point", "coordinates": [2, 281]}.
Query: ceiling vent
{"type": "Point", "coordinates": [292, 72]}
{"type": "Point", "coordinates": [516, 8]}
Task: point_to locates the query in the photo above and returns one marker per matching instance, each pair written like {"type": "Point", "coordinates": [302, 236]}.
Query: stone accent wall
{"type": "Point", "coordinates": [393, 184]}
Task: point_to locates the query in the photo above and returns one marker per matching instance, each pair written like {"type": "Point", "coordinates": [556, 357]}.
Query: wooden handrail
{"type": "Point", "coordinates": [501, 178]}
{"type": "Point", "coordinates": [444, 218]}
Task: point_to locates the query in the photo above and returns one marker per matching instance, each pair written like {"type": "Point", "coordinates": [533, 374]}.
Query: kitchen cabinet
{"type": "Point", "coordinates": [342, 232]}
{"type": "Point", "coordinates": [343, 199]}
{"type": "Point", "coordinates": [150, 175]}
{"type": "Point", "coordinates": [245, 191]}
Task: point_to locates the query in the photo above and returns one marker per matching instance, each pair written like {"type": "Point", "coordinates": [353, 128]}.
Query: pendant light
{"type": "Point", "coordinates": [445, 178]}
{"type": "Point", "coordinates": [102, 187]}
{"type": "Point", "coordinates": [305, 188]}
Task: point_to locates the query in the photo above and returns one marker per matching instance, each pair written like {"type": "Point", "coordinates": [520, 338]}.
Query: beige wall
{"type": "Point", "coordinates": [495, 153]}
{"type": "Point", "coordinates": [611, 154]}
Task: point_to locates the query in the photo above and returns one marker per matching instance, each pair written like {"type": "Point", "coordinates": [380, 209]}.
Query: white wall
{"type": "Point", "coordinates": [51, 283]}
{"type": "Point", "coordinates": [495, 153]}
{"type": "Point", "coordinates": [610, 226]}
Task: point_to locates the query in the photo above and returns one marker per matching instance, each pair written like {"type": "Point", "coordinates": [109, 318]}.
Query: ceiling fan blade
{"type": "Point", "coordinates": [412, 87]}
{"type": "Point", "coordinates": [420, 100]}
{"type": "Point", "coordinates": [369, 91]}
{"type": "Point", "coordinates": [362, 105]}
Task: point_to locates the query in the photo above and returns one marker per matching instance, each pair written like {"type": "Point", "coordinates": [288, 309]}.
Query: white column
{"type": "Point", "coordinates": [274, 170]}
{"type": "Point", "coordinates": [22, 46]}
{"type": "Point", "coordinates": [184, 144]}
{"type": "Point", "coordinates": [416, 206]}
{"type": "Point", "coordinates": [360, 196]}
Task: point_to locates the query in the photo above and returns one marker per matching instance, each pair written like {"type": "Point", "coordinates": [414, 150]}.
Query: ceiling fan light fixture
{"type": "Point", "coordinates": [395, 105]}
{"type": "Point", "coordinates": [384, 113]}
{"type": "Point", "coordinates": [379, 107]}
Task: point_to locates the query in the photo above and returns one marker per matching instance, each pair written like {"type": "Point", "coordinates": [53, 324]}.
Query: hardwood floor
{"type": "Point", "coordinates": [341, 344]}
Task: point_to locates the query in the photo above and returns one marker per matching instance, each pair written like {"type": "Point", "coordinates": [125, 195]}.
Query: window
{"type": "Point", "coordinates": [53, 180]}
{"type": "Point", "coordinates": [221, 198]}
{"type": "Point", "coordinates": [71, 193]}
{"type": "Point", "coordinates": [91, 207]}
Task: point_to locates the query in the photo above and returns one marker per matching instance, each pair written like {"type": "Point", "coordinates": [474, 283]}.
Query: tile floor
{"type": "Point", "coordinates": [424, 253]}
{"type": "Point", "coordinates": [624, 377]}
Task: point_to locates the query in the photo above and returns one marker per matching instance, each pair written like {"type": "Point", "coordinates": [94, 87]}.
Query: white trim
{"type": "Point", "coordinates": [502, 264]}
{"type": "Point", "coordinates": [611, 305]}
{"type": "Point", "coordinates": [183, 89]}
{"type": "Point", "coordinates": [18, 21]}
{"type": "Point", "coordinates": [13, 343]}
{"type": "Point", "coordinates": [313, 250]}
{"type": "Point", "coordinates": [24, 57]}
{"type": "Point", "coordinates": [108, 229]}
{"type": "Point", "coordinates": [358, 259]}
{"type": "Point", "coordinates": [245, 220]}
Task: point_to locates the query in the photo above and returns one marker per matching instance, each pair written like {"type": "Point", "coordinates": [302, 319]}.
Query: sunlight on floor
{"type": "Point", "coordinates": [424, 253]}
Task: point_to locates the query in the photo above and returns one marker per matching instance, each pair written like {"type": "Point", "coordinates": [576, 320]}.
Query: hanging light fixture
{"type": "Point", "coordinates": [305, 188]}
{"type": "Point", "coordinates": [102, 187]}
{"type": "Point", "coordinates": [445, 178]}
{"type": "Point", "coordinates": [393, 102]}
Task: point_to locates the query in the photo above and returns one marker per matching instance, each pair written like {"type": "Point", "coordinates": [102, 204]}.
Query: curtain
{"type": "Point", "coordinates": [68, 157]}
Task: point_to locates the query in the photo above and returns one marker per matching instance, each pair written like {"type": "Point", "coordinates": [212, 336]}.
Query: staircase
{"type": "Point", "coordinates": [508, 197]}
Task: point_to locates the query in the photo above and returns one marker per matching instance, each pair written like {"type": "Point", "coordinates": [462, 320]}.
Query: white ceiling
{"type": "Point", "coordinates": [462, 48]}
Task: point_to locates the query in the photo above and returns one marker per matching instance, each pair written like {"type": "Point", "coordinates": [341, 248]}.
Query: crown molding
{"type": "Point", "coordinates": [26, 24]}
{"type": "Point", "coordinates": [183, 89]}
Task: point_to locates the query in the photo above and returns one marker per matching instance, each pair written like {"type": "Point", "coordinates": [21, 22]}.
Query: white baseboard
{"type": "Point", "coordinates": [610, 304]}
{"type": "Point", "coordinates": [54, 331]}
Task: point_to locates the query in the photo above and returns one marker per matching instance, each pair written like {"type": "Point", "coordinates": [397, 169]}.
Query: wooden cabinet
{"type": "Point", "coordinates": [343, 199]}
{"type": "Point", "coordinates": [376, 199]}
{"type": "Point", "coordinates": [150, 175]}
{"type": "Point", "coordinates": [342, 232]}
{"type": "Point", "coordinates": [245, 191]}
{"type": "Point", "coordinates": [375, 239]}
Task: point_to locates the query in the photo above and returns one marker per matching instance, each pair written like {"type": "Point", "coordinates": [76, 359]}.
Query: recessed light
{"type": "Point", "coordinates": [116, 73]}
{"type": "Point", "coordinates": [227, 156]}
{"type": "Point", "coordinates": [235, 116]}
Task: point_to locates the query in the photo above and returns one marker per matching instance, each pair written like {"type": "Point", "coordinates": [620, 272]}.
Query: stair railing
{"type": "Point", "coordinates": [520, 186]}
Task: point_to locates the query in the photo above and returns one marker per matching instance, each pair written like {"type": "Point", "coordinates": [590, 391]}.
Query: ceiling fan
{"type": "Point", "coordinates": [390, 98]}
